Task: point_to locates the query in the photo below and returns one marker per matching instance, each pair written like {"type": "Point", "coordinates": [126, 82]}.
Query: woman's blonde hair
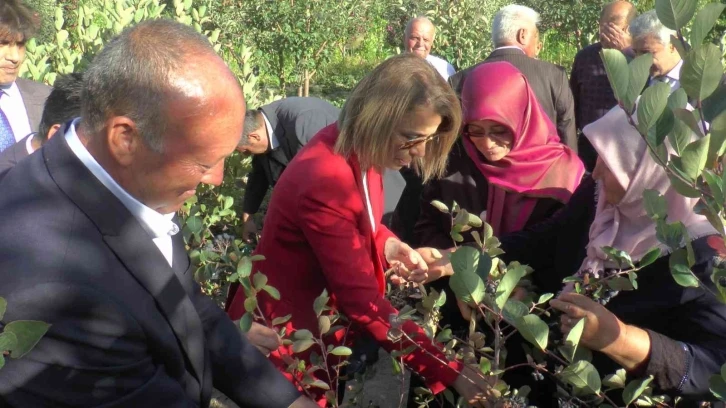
{"type": "Point", "coordinates": [377, 105]}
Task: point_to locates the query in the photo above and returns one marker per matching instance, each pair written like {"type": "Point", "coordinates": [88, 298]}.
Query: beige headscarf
{"type": "Point", "coordinates": [626, 226]}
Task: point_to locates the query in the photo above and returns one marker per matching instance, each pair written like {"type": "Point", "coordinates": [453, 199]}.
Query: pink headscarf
{"type": "Point", "coordinates": [537, 166]}
{"type": "Point", "coordinates": [626, 226]}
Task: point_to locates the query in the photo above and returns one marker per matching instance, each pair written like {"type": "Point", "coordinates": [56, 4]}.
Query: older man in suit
{"type": "Point", "coordinates": [21, 100]}
{"type": "Point", "coordinates": [274, 133]}
{"type": "Point", "coordinates": [516, 40]}
{"type": "Point", "coordinates": [93, 249]}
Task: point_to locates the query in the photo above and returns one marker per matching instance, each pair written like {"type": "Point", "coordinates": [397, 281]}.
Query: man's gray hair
{"type": "Point", "coordinates": [648, 24]}
{"type": "Point", "coordinates": [509, 20]}
{"type": "Point", "coordinates": [134, 73]}
{"type": "Point", "coordinates": [253, 121]}
{"type": "Point", "coordinates": [417, 19]}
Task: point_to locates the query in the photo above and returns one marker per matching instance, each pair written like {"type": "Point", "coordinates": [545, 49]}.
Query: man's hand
{"type": "Point", "coordinates": [438, 262]}
{"type": "Point", "coordinates": [407, 263]}
{"type": "Point", "coordinates": [612, 36]}
{"type": "Point", "coordinates": [249, 229]}
{"type": "Point", "coordinates": [264, 338]}
{"type": "Point", "coordinates": [602, 327]}
{"type": "Point", "coordinates": [474, 387]}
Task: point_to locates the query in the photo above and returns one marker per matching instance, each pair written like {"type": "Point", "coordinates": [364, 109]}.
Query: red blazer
{"type": "Point", "coordinates": [317, 235]}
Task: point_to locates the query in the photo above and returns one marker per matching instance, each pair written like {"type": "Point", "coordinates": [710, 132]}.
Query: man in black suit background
{"type": "Point", "coordinates": [21, 100]}
{"type": "Point", "coordinates": [516, 40]}
{"type": "Point", "coordinates": [89, 245]}
{"type": "Point", "coordinates": [274, 133]}
{"type": "Point", "coordinates": [62, 105]}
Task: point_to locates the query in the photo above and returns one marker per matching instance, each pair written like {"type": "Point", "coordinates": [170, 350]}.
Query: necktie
{"type": "Point", "coordinates": [7, 138]}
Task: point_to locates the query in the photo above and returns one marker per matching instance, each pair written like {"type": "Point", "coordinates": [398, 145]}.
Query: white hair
{"type": "Point", "coordinates": [648, 24]}
{"type": "Point", "coordinates": [509, 20]}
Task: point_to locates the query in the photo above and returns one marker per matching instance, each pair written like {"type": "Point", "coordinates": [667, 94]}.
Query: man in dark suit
{"type": "Point", "coordinates": [21, 100]}
{"type": "Point", "coordinates": [89, 245]}
{"type": "Point", "coordinates": [274, 133]}
{"type": "Point", "coordinates": [516, 40]}
{"type": "Point", "coordinates": [594, 96]}
{"type": "Point", "coordinates": [62, 105]}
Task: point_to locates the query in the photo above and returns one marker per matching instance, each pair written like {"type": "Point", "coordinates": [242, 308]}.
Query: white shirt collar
{"type": "Point", "coordinates": [156, 224]}
{"type": "Point", "coordinates": [29, 144]}
{"type": "Point", "coordinates": [509, 47]}
{"type": "Point", "coordinates": [274, 143]}
{"type": "Point", "coordinates": [675, 73]}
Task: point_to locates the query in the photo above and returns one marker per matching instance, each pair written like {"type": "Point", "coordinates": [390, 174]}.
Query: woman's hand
{"type": "Point", "coordinates": [627, 345]}
{"type": "Point", "coordinates": [474, 387]}
{"type": "Point", "coordinates": [602, 327]}
{"type": "Point", "coordinates": [438, 262]}
{"type": "Point", "coordinates": [406, 262]}
{"type": "Point", "coordinates": [264, 338]}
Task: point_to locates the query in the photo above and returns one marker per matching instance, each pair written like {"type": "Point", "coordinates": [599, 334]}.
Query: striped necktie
{"type": "Point", "coordinates": [7, 138]}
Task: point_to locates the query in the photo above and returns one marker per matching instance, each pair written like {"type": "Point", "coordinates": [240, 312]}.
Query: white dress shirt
{"type": "Point", "coordinates": [274, 143]}
{"type": "Point", "coordinates": [11, 103]}
{"type": "Point", "coordinates": [368, 201]}
{"type": "Point", "coordinates": [160, 227]}
{"type": "Point", "coordinates": [672, 78]}
{"type": "Point", "coordinates": [445, 69]}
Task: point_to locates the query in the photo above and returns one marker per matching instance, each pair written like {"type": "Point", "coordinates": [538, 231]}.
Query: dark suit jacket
{"type": "Point", "coordinates": [294, 122]}
{"type": "Point", "coordinates": [34, 95]}
{"type": "Point", "coordinates": [549, 83]}
{"type": "Point", "coordinates": [12, 155]}
{"type": "Point", "coordinates": [127, 329]}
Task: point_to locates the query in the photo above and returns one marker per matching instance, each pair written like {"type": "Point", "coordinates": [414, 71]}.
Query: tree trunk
{"type": "Point", "coordinates": [306, 83]}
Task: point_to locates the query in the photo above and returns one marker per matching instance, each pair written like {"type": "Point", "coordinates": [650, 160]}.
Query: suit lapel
{"type": "Point", "coordinates": [33, 104]}
{"type": "Point", "coordinates": [133, 246]}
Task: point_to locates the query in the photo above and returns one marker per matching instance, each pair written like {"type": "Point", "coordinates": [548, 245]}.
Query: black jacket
{"type": "Point", "coordinates": [127, 329]}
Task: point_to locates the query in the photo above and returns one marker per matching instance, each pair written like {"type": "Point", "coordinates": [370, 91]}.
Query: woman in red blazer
{"type": "Point", "coordinates": [322, 228]}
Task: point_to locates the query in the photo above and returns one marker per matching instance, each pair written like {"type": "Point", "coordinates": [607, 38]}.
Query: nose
{"type": "Point", "coordinates": [488, 142]}
{"type": "Point", "coordinates": [215, 175]}
{"type": "Point", "coordinates": [419, 150]}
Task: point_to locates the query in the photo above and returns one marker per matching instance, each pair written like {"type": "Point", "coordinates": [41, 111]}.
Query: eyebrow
{"type": "Point", "coordinates": [413, 134]}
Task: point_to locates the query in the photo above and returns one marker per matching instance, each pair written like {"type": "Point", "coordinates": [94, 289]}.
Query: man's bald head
{"type": "Point", "coordinates": [143, 68]}
{"type": "Point", "coordinates": [419, 36]}
{"type": "Point", "coordinates": [618, 12]}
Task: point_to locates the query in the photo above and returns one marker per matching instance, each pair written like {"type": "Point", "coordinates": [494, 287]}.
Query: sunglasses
{"type": "Point", "coordinates": [417, 141]}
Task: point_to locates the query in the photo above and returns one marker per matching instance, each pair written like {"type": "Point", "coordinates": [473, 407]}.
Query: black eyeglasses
{"type": "Point", "coordinates": [417, 141]}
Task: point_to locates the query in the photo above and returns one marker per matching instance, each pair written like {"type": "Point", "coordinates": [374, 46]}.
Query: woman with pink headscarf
{"type": "Point", "coordinates": [508, 166]}
{"type": "Point", "coordinates": [673, 333]}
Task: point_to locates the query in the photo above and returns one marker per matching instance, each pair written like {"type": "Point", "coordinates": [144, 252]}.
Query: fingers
{"type": "Point", "coordinates": [568, 308]}
{"type": "Point", "coordinates": [583, 302]}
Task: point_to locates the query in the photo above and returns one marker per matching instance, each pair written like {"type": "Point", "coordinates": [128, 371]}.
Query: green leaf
{"type": "Point", "coordinates": [620, 283]}
{"type": "Point", "coordinates": [717, 146]}
{"type": "Point", "coordinates": [616, 67]}
{"type": "Point", "coordinates": [545, 298]}
{"type": "Point", "coordinates": [514, 309]}
{"type": "Point", "coordinates": [534, 330]}
{"type": "Point", "coordinates": [245, 323]}
{"type": "Point", "coordinates": [318, 383]}
{"type": "Point", "coordinates": [3, 307]}
{"type": "Point", "coordinates": [650, 257]}
{"type": "Point", "coordinates": [466, 284]}
{"type": "Point", "coordinates": [28, 334]}
{"type": "Point", "coordinates": [651, 105]}
{"type": "Point", "coordinates": [274, 293]}
{"type": "Point", "coordinates": [690, 118]}
{"type": "Point", "coordinates": [621, 257]}
{"type": "Point", "coordinates": [717, 385]}
{"type": "Point", "coordinates": [474, 221]}
{"type": "Point", "coordinates": [639, 72]}
{"type": "Point", "coordinates": [675, 14]}
{"type": "Point", "coordinates": [715, 104]}
{"type": "Point", "coordinates": [714, 183]}
{"type": "Point", "coordinates": [396, 366]}
{"type": "Point", "coordinates": [573, 339]}
{"type": "Point", "coordinates": [583, 375]}
{"type": "Point", "coordinates": [615, 381]}
{"type": "Point", "coordinates": [655, 205]}
{"type": "Point", "coordinates": [693, 158]}
{"type": "Point", "coordinates": [250, 304]}
{"type": "Point", "coordinates": [487, 232]}
{"type": "Point", "coordinates": [663, 126]}
{"type": "Point", "coordinates": [302, 334]}
{"type": "Point", "coordinates": [485, 366]}
{"type": "Point", "coordinates": [8, 341]}
{"type": "Point", "coordinates": [635, 388]}
{"type": "Point", "coordinates": [704, 22]}
{"type": "Point", "coordinates": [341, 351]}
{"type": "Point", "coordinates": [244, 267]}
{"type": "Point", "coordinates": [259, 280]}
{"type": "Point", "coordinates": [723, 372]}
{"type": "Point", "coordinates": [484, 266]}
{"type": "Point", "coordinates": [440, 206]}
{"type": "Point", "coordinates": [702, 71]}
{"type": "Point", "coordinates": [320, 302]}
{"type": "Point", "coordinates": [194, 224]}
{"type": "Point", "coordinates": [508, 283]}
{"type": "Point", "coordinates": [441, 300]}
{"type": "Point", "coordinates": [681, 187]}
{"type": "Point", "coordinates": [281, 320]}
{"type": "Point", "coordinates": [718, 277]}
{"type": "Point", "coordinates": [680, 270]}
